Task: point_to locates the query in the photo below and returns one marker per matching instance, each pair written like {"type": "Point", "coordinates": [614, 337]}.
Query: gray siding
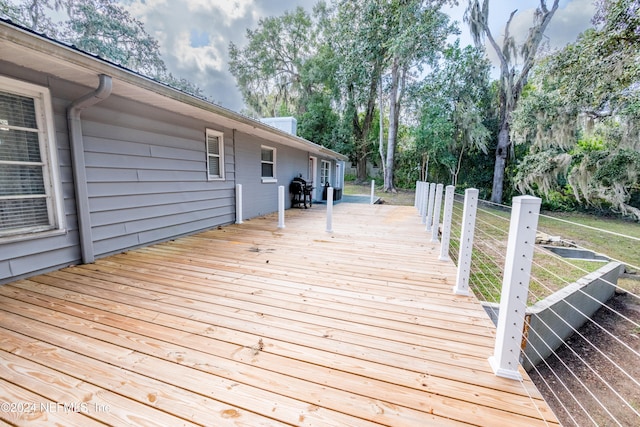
{"type": "Point", "coordinates": [25, 257]}
{"type": "Point", "coordinates": [317, 193]}
{"type": "Point", "coordinates": [147, 176]}
{"type": "Point", "coordinates": [262, 198]}
{"type": "Point", "coordinates": [147, 180]}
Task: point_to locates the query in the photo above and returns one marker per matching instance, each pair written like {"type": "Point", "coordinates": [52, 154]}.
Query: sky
{"type": "Point", "coordinates": [194, 35]}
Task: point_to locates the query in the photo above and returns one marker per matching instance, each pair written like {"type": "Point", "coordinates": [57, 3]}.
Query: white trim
{"type": "Point", "coordinates": [313, 168]}
{"type": "Point", "coordinates": [219, 156]}
{"type": "Point", "coordinates": [327, 178]}
{"type": "Point", "coordinates": [339, 175]}
{"type": "Point", "coordinates": [313, 171]}
{"type": "Point", "coordinates": [273, 177]}
{"type": "Point", "coordinates": [49, 154]}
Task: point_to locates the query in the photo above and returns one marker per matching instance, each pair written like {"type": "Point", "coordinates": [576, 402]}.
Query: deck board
{"type": "Point", "coordinates": [254, 325]}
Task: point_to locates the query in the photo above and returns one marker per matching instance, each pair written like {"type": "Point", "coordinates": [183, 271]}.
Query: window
{"type": "Point", "coordinates": [268, 164]}
{"type": "Point", "coordinates": [30, 195]}
{"type": "Point", "coordinates": [325, 169]}
{"type": "Point", "coordinates": [215, 155]}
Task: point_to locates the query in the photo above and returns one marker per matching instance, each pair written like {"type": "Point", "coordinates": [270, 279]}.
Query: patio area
{"type": "Point", "coordinates": [254, 325]}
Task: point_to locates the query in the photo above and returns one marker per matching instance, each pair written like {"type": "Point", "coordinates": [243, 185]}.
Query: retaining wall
{"type": "Point", "coordinates": [554, 319]}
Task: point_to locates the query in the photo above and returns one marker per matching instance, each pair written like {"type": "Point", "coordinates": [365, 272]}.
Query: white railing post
{"type": "Point", "coordinates": [281, 206]}
{"type": "Point", "coordinates": [238, 203]}
{"type": "Point", "coordinates": [432, 196]}
{"type": "Point", "coordinates": [415, 196]}
{"type": "Point", "coordinates": [515, 287]}
{"type": "Point", "coordinates": [435, 226]}
{"type": "Point", "coordinates": [424, 189]}
{"type": "Point", "coordinates": [424, 200]}
{"type": "Point", "coordinates": [373, 191]}
{"type": "Point", "coordinates": [466, 241]}
{"type": "Point", "coordinates": [446, 223]}
{"type": "Point", "coordinates": [329, 209]}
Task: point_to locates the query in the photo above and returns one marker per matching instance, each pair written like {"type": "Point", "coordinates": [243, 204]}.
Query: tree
{"type": "Point", "coordinates": [313, 67]}
{"type": "Point", "coordinates": [10, 11]}
{"type": "Point", "coordinates": [330, 69]}
{"type": "Point", "coordinates": [320, 121]}
{"type": "Point", "coordinates": [33, 14]}
{"type": "Point", "coordinates": [103, 28]}
{"type": "Point", "coordinates": [268, 69]}
{"type": "Point", "coordinates": [355, 34]}
{"type": "Point", "coordinates": [376, 38]}
{"type": "Point", "coordinates": [415, 32]}
{"type": "Point", "coordinates": [512, 79]}
{"type": "Point", "coordinates": [454, 102]}
{"type": "Point", "coordinates": [581, 115]}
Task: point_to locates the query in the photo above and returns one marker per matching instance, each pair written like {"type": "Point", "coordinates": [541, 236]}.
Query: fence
{"type": "Point", "coordinates": [559, 307]}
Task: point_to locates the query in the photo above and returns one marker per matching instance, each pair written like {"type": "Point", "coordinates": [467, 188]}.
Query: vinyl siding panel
{"type": "Point", "coordinates": [102, 204]}
{"type": "Point", "coordinates": [262, 198]}
{"type": "Point", "coordinates": [147, 176]}
{"type": "Point", "coordinates": [44, 252]}
{"type": "Point", "coordinates": [147, 179]}
{"type": "Point", "coordinates": [50, 257]}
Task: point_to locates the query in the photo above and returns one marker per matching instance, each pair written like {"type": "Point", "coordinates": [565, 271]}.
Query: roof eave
{"type": "Point", "coordinates": [39, 44]}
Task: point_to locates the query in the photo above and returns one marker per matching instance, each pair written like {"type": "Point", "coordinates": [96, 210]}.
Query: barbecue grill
{"type": "Point", "coordinates": [301, 191]}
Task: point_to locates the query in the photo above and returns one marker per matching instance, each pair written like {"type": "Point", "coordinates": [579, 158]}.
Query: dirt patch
{"type": "Point", "coordinates": [593, 379]}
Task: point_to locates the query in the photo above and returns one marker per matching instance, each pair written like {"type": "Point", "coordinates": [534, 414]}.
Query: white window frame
{"type": "Point", "coordinates": [325, 166]}
{"type": "Point", "coordinates": [268, 179]}
{"type": "Point", "coordinates": [313, 168]}
{"type": "Point", "coordinates": [49, 161]}
{"type": "Point", "coordinates": [219, 157]}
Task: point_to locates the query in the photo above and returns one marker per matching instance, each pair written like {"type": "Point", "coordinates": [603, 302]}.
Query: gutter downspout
{"type": "Point", "coordinates": [78, 164]}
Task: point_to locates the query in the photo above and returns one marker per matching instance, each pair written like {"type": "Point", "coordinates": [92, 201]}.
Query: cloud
{"type": "Point", "coordinates": [194, 35]}
{"type": "Point", "coordinates": [565, 25]}
{"type": "Point", "coordinates": [570, 21]}
{"type": "Point", "coordinates": [571, 18]}
{"type": "Point", "coordinates": [232, 10]}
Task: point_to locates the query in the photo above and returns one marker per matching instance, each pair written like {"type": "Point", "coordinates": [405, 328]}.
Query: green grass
{"type": "Point", "coordinates": [549, 272]}
{"type": "Point", "coordinates": [617, 247]}
{"type": "Point", "coordinates": [401, 197]}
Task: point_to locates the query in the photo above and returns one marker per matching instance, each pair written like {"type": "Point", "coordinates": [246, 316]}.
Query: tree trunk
{"type": "Point", "coordinates": [397, 89]}
{"type": "Point", "coordinates": [458, 167]}
{"type": "Point", "coordinates": [511, 84]}
{"type": "Point", "coordinates": [424, 167]}
{"type": "Point", "coordinates": [393, 129]}
{"type": "Point", "coordinates": [361, 131]}
{"type": "Point", "coordinates": [504, 143]}
{"type": "Point", "coordinates": [361, 166]}
{"type": "Point", "coordinates": [381, 148]}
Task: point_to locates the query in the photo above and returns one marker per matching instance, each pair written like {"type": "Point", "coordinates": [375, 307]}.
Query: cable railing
{"type": "Point", "coordinates": [580, 333]}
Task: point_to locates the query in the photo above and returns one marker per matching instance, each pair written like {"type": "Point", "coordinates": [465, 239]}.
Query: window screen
{"type": "Point", "coordinates": [268, 162]}
{"type": "Point", "coordinates": [23, 187]}
{"type": "Point", "coordinates": [215, 154]}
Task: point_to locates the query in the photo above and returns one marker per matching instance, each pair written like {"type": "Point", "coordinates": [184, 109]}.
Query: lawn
{"type": "Point", "coordinates": [549, 272]}
{"type": "Point", "coordinates": [401, 197]}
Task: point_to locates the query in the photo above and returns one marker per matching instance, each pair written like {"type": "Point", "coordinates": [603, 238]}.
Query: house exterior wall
{"type": "Point", "coordinates": [147, 176]}
{"type": "Point", "coordinates": [335, 178]}
{"type": "Point", "coordinates": [260, 198]}
{"type": "Point", "coordinates": [22, 256]}
{"type": "Point", "coordinates": [147, 179]}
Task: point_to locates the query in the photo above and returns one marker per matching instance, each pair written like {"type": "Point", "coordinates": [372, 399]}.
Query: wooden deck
{"type": "Point", "coordinates": [258, 326]}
